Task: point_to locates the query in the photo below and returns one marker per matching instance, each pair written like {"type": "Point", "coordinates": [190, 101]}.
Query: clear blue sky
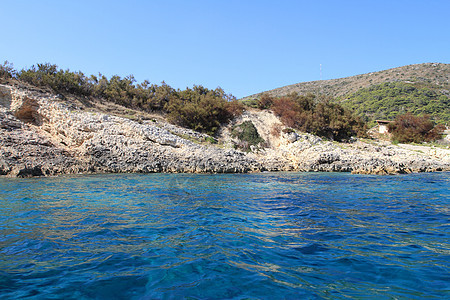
{"type": "Point", "coordinates": [243, 46]}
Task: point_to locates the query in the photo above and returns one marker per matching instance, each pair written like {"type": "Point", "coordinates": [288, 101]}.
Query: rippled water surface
{"type": "Point", "coordinates": [241, 236]}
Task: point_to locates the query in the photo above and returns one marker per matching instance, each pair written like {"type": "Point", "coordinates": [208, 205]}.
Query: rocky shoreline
{"type": "Point", "coordinates": [41, 135]}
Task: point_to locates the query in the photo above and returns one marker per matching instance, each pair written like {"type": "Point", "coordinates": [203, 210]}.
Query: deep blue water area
{"type": "Point", "coordinates": [236, 236]}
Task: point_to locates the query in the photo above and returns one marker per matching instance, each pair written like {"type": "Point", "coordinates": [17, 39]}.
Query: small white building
{"type": "Point", "coordinates": [383, 126]}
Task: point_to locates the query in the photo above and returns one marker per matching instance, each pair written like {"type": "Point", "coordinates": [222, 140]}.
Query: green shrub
{"type": "Point", "coordinates": [247, 135]}
{"type": "Point", "coordinates": [200, 109]}
{"type": "Point", "coordinates": [334, 122]}
{"type": "Point", "coordinates": [7, 70]}
{"type": "Point", "coordinates": [250, 102]}
{"type": "Point", "coordinates": [61, 81]}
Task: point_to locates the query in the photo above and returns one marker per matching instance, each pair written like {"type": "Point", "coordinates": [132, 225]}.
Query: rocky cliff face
{"type": "Point", "coordinates": [41, 135]}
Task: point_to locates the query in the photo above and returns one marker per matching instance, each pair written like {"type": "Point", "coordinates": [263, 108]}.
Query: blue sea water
{"type": "Point", "coordinates": [236, 236]}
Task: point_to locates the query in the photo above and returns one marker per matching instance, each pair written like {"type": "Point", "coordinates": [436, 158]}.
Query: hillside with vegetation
{"type": "Point", "coordinates": [198, 108]}
{"type": "Point", "coordinates": [315, 114]}
{"type": "Point", "coordinates": [328, 113]}
{"type": "Point", "coordinates": [55, 121]}
{"type": "Point", "coordinates": [390, 99]}
{"type": "Point", "coordinates": [418, 89]}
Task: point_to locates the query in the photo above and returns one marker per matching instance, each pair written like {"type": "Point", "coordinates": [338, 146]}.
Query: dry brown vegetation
{"type": "Point", "coordinates": [408, 128]}
{"type": "Point", "coordinates": [317, 115]}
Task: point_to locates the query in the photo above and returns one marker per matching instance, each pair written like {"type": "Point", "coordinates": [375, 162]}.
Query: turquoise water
{"type": "Point", "coordinates": [240, 236]}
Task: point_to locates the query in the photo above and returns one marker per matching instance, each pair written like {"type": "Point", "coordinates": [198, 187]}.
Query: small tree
{"type": "Point", "coordinates": [199, 109]}
{"type": "Point", "coordinates": [408, 128]}
{"type": "Point", "coordinates": [265, 102]}
{"type": "Point", "coordinates": [288, 110]}
{"type": "Point", "coordinates": [7, 70]}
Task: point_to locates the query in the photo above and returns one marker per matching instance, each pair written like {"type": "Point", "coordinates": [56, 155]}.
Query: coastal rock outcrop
{"type": "Point", "coordinates": [41, 135]}
{"type": "Point", "coordinates": [295, 151]}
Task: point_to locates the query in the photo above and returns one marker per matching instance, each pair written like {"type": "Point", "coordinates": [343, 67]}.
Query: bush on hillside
{"type": "Point", "coordinates": [334, 122]}
{"type": "Point", "coordinates": [235, 108]}
{"type": "Point", "coordinates": [265, 101]}
{"type": "Point", "coordinates": [7, 70]}
{"type": "Point", "coordinates": [408, 128]}
{"type": "Point", "coordinates": [319, 116]}
{"type": "Point", "coordinates": [247, 134]}
{"type": "Point", "coordinates": [61, 81]}
{"type": "Point", "coordinates": [201, 109]}
{"type": "Point", "coordinates": [288, 110]}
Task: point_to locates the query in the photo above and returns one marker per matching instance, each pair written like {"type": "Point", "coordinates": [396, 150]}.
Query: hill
{"type": "Point", "coordinates": [434, 74]}
{"type": "Point", "coordinates": [390, 99]}
{"type": "Point", "coordinates": [420, 88]}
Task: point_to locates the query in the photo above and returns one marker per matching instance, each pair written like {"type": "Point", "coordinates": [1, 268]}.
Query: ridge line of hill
{"type": "Point", "coordinates": [434, 74]}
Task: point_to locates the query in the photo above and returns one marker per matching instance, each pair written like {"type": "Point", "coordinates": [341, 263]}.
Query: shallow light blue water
{"type": "Point", "coordinates": [240, 236]}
